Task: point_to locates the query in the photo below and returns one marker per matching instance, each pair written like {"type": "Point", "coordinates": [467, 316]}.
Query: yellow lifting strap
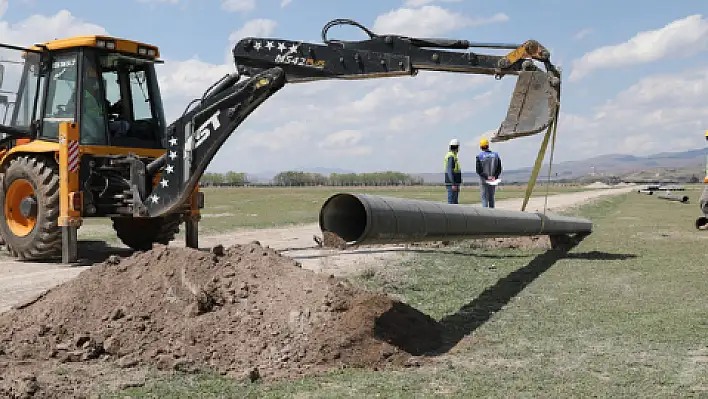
{"type": "Point", "coordinates": [550, 134]}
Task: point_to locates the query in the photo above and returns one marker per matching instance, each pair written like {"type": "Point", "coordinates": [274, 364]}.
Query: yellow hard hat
{"type": "Point", "coordinates": [484, 143]}
{"type": "Point", "coordinates": [706, 134]}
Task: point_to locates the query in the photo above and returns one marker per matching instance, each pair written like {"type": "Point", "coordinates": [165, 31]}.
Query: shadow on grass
{"type": "Point", "coordinates": [372, 251]}
{"type": "Point", "coordinates": [451, 329]}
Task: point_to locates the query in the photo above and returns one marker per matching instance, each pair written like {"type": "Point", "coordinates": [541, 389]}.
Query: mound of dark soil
{"type": "Point", "coordinates": [241, 311]}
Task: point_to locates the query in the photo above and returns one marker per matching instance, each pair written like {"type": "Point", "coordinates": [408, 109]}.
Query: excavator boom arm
{"type": "Point", "coordinates": [381, 56]}
{"type": "Point", "coordinates": [533, 105]}
{"type": "Point", "coordinates": [270, 63]}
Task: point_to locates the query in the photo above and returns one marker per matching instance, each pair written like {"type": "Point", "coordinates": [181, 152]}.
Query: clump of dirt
{"type": "Point", "coordinates": [332, 240]}
{"type": "Point", "coordinates": [244, 311]}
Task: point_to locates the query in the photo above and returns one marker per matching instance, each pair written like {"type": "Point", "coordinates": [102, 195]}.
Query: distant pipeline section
{"type": "Point", "coordinates": [364, 219]}
{"type": "Point", "coordinates": [673, 197]}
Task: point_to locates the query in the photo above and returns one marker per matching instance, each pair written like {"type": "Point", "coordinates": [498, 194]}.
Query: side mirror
{"type": "Point", "coordinates": [2, 73]}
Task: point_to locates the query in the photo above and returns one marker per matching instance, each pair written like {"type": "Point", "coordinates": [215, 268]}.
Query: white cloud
{"type": "Point", "coordinates": [182, 81]}
{"type": "Point", "coordinates": [40, 28]}
{"type": "Point", "coordinates": [583, 33]}
{"type": "Point", "coordinates": [290, 138]}
{"type": "Point", "coordinates": [37, 29]}
{"type": "Point", "coordinates": [681, 38]}
{"type": "Point", "coordinates": [254, 27]}
{"type": "Point", "coordinates": [285, 3]}
{"type": "Point", "coordinates": [418, 3]}
{"type": "Point", "coordinates": [238, 5]}
{"type": "Point", "coordinates": [341, 139]}
{"type": "Point", "coordinates": [428, 20]}
{"type": "Point", "coordinates": [259, 27]}
{"type": "Point", "coordinates": [659, 113]}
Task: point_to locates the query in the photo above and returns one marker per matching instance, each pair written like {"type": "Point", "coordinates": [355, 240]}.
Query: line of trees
{"type": "Point", "coordinates": [300, 179]}
{"type": "Point", "coordinates": [224, 179]}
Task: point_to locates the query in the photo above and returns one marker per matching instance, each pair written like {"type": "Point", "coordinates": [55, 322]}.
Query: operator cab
{"type": "Point", "coordinates": [108, 86]}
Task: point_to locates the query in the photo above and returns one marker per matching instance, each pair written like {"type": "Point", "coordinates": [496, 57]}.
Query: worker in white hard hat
{"type": "Point", "coordinates": [489, 168]}
{"type": "Point", "coordinates": [453, 172]}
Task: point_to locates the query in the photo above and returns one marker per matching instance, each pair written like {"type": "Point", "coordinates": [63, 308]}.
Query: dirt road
{"type": "Point", "coordinates": [20, 281]}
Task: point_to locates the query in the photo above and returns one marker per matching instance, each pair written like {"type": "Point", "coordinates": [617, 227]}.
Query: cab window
{"type": "Point", "coordinates": [93, 102]}
{"type": "Point", "coordinates": [132, 120]}
{"type": "Point", "coordinates": [61, 94]}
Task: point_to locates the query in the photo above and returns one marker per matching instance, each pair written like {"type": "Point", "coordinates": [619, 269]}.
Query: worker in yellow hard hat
{"type": "Point", "coordinates": [489, 168]}
{"type": "Point", "coordinates": [453, 172]}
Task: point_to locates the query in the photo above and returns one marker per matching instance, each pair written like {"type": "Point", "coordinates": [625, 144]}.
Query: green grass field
{"type": "Point", "coordinates": [259, 207]}
{"type": "Point", "coordinates": [623, 314]}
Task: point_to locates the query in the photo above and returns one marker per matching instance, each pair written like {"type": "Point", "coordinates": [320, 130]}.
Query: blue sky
{"type": "Point", "coordinates": [635, 75]}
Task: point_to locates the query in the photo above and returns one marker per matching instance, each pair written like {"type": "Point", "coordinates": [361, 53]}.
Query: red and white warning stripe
{"type": "Point", "coordinates": [73, 156]}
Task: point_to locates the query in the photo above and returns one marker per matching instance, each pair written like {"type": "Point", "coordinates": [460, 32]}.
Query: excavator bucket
{"type": "Point", "coordinates": [532, 108]}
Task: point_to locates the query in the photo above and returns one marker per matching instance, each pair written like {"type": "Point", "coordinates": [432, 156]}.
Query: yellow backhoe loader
{"type": "Point", "coordinates": [84, 133]}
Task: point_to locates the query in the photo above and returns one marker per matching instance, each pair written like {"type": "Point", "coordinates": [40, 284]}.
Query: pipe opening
{"type": "Point", "coordinates": [701, 222]}
{"type": "Point", "coordinates": [345, 216]}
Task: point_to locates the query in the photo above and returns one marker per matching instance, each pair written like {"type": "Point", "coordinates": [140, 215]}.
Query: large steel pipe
{"type": "Point", "coordinates": [370, 219]}
{"type": "Point", "coordinates": [673, 197]}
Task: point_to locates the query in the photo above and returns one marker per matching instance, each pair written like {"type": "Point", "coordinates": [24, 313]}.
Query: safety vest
{"type": "Point", "coordinates": [456, 170]}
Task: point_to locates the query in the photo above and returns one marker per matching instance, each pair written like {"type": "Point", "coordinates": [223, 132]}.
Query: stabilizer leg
{"type": "Point", "coordinates": [69, 244]}
{"type": "Point", "coordinates": [191, 233]}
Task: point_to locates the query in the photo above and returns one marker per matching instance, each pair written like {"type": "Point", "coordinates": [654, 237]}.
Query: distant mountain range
{"type": "Point", "coordinates": [626, 166]}
{"type": "Point", "coordinates": [652, 166]}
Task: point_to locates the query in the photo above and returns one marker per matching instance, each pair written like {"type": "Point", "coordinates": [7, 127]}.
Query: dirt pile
{"type": "Point", "coordinates": [241, 311]}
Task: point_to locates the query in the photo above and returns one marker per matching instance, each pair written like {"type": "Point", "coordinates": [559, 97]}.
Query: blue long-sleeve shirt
{"type": "Point", "coordinates": [450, 168]}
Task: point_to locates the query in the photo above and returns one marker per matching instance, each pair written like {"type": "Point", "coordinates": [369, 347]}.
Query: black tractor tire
{"type": "Point", "coordinates": [43, 241]}
{"type": "Point", "coordinates": [141, 233]}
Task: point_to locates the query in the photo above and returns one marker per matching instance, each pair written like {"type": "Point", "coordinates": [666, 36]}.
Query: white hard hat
{"type": "Point", "coordinates": [455, 142]}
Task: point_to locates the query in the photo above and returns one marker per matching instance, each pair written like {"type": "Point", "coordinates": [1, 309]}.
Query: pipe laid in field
{"type": "Point", "coordinates": [647, 192]}
{"type": "Point", "coordinates": [673, 197]}
{"type": "Point", "coordinates": [362, 219]}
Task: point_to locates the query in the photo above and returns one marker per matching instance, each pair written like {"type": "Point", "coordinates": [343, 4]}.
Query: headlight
{"type": "Point", "coordinates": [107, 44]}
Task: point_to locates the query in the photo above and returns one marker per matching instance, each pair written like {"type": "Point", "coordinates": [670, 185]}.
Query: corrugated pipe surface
{"type": "Point", "coordinates": [371, 219]}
